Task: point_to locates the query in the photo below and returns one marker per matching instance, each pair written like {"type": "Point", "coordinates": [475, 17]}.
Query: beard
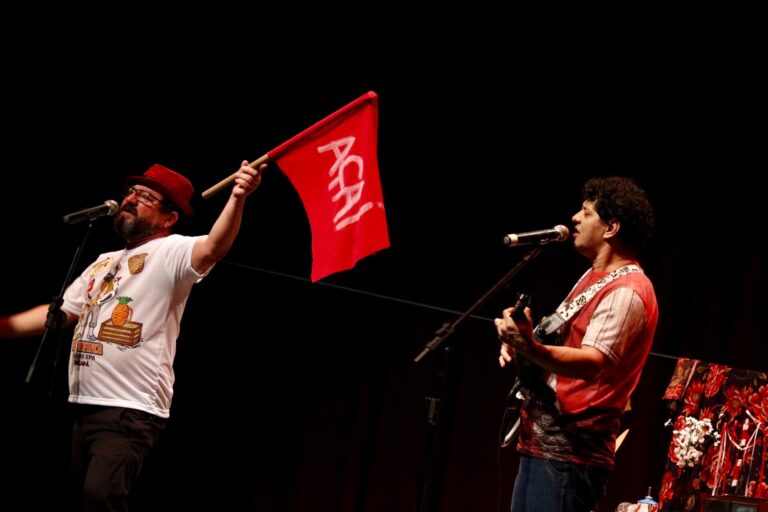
{"type": "Point", "coordinates": [133, 228]}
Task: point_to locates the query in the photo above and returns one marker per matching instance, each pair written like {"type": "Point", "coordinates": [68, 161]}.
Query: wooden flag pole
{"type": "Point", "coordinates": [229, 179]}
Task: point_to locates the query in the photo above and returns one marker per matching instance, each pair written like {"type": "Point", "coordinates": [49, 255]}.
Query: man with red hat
{"type": "Point", "coordinates": [128, 306]}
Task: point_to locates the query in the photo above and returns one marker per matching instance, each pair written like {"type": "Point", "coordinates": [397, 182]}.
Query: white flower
{"type": "Point", "coordinates": [689, 440]}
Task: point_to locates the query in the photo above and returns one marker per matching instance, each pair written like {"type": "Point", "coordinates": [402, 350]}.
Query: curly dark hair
{"type": "Point", "coordinates": [621, 199]}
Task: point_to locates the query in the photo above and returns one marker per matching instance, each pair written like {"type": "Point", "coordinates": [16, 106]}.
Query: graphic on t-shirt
{"type": "Point", "coordinates": [119, 329]}
{"type": "Point", "coordinates": [122, 312]}
{"type": "Point", "coordinates": [136, 263]}
{"type": "Point", "coordinates": [89, 317]}
{"type": "Point", "coordinates": [99, 266]}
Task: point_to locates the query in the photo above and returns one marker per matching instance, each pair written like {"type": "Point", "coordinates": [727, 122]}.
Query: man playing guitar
{"type": "Point", "coordinates": [569, 422]}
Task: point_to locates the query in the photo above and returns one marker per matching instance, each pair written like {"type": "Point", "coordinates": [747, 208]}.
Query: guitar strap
{"type": "Point", "coordinates": [568, 308]}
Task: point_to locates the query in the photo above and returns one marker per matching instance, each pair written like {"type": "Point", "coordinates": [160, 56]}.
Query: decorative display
{"type": "Point", "coordinates": [718, 446]}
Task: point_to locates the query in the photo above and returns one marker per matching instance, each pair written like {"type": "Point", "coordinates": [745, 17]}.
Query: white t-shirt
{"type": "Point", "coordinates": [129, 304]}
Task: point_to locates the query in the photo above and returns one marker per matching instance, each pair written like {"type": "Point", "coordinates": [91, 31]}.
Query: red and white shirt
{"type": "Point", "coordinates": [580, 421]}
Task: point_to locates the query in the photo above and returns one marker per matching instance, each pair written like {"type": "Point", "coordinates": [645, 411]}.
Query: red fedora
{"type": "Point", "coordinates": [171, 184]}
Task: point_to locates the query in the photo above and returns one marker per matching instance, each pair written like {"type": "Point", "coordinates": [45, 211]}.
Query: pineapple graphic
{"type": "Point", "coordinates": [120, 328]}
{"type": "Point", "coordinates": [121, 313]}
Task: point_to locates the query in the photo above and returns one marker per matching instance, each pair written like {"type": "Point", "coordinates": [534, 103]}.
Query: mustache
{"type": "Point", "coordinates": [130, 208]}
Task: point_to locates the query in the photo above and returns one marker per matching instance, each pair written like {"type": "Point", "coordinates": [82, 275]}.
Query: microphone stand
{"type": "Point", "coordinates": [434, 403]}
{"type": "Point", "coordinates": [55, 316]}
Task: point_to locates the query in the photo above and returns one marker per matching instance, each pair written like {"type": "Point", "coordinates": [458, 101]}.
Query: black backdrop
{"type": "Point", "coordinates": [297, 396]}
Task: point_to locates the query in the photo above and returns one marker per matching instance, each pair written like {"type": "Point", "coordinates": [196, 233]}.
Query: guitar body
{"type": "Point", "coordinates": [510, 422]}
{"type": "Point", "coordinates": [529, 377]}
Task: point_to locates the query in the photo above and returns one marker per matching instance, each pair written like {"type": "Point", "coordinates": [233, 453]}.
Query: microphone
{"type": "Point", "coordinates": [109, 207]}
{"type": "Point", "coordinates": [557, 234]}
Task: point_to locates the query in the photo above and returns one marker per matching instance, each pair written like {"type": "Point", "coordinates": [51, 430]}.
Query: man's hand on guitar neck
{"type": "Point", "coordinates": [517, 336]}
{"type": "Point", "coordinates": [515, 332]}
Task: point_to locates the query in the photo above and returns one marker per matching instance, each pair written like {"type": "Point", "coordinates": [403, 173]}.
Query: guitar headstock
{"type": "Point", "coordinates": [523, 301]}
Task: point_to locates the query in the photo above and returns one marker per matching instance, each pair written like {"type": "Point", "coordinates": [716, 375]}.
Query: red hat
{"type": "Point", "coordinates": [171, 184]}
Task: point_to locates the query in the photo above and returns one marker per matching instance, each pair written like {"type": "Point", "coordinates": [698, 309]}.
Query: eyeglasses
{"type": "Point", "coordinates": [142, 196]}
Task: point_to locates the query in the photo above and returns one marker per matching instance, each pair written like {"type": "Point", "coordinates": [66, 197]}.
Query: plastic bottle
{"type": "Point", "coordinates": [648, 504]}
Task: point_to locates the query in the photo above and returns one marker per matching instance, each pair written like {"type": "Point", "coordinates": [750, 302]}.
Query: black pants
{"type": "Point", "coordinates": [109, 445]}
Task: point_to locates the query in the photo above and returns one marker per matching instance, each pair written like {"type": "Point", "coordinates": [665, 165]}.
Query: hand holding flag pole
{"type": "Point", "coordinates": [229, 179]}
{"type": "Point", "coordinates": [333, 166]}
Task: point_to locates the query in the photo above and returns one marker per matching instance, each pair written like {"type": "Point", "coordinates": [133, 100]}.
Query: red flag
{"type": "Point", "coordinates": [333, 165]}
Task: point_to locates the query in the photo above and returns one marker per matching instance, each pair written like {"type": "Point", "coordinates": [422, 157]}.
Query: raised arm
{"type": "Point", "coordinates": [212, 248]}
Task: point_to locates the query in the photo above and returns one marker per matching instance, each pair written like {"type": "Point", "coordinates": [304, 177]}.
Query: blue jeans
{"type": "Point", "coordinates": [551, 486]}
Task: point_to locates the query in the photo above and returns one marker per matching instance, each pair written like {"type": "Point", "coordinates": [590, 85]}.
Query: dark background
{"type": "Point", "coordinates": [294, 396]}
